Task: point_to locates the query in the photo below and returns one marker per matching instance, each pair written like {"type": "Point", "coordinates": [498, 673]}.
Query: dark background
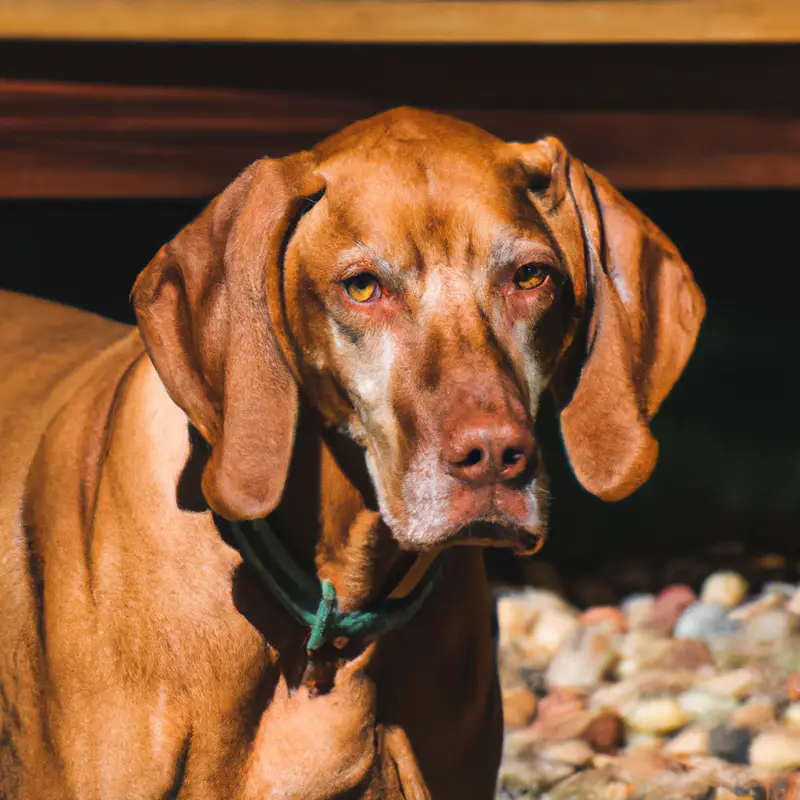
{"type": "Point", "coordinates": [725, 491]}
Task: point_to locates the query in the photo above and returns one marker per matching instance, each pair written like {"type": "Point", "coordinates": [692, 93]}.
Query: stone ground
{"type": "Point", "coordinates": [671, 696]}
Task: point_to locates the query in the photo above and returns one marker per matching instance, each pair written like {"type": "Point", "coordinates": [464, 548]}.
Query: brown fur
{"type": "Point", "coordinates": [139, 657]}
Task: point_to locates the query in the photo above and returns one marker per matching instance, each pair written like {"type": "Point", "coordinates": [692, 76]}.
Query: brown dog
{"type": "Point", "coordinates": [353, 341]}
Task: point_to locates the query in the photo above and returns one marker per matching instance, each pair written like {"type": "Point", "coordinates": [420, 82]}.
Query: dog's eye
{"type": "Point", "coordinates": [363, 287]}
{"type": "Point", "coordinates": [530, 276]}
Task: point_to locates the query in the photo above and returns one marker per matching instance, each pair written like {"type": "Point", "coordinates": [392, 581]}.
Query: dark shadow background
{"type": "Point", "coordinates": [726, 491]}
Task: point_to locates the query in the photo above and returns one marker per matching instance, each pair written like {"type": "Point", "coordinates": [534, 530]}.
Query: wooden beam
{"type": "Point", "coordinates": [91, 140]}
{"type": "Point", "coordinates": [531, 21]}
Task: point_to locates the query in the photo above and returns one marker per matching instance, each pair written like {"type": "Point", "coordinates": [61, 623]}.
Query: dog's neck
{"type": "Point", "coordinates": [342, 539]}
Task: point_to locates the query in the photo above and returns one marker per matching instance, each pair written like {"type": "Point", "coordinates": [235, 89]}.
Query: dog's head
{"type": "Point", "coordinates": [422, 283]}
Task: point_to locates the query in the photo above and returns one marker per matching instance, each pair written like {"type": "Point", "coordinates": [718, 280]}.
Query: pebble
{"type": "Point", "coordinates": [756, 714]}
{"type": "Point", "coordinates": [686, 654]}
{"type": "Point", "coordinates": [729, 743]}
{"type": "Point", "coordinates": [657, 715]}
{"type": "Point", "coordinates": [597, 784]}
{"type": "Point", "coordinates": [619, 698]}
{"type": "Point", "coordinates": [666, 697]}
{"type": "Point", "coordinates": [767, 632]}
{"type": "Point", "coordinates": [644, 740]}
{"type": "Point", "coordinates": [766, 602]}
{"type": "Point", "coordinates": [669, 605]}
{"type": "Point", "coordinates": [706, 708]}
{"type": "Point", "coordinates": [779, 587]}
{"type": "Point", "coordinates": [640, 649]}
{"type": "Point", "coordinates": [518, 612]}
{"type": "Point", "coordinates": [641, 768]}
{"type": "Point", "coordinates": [725, 589]}
{"type": "Point", "coordinates": [561, 715]}
{"type": "Point", "coordinates": [605, 732]}
{"type": "Point", "coordinates": [552, 629]}
{"type": "Point", "coordinates": [519, 744]}
{"type": "Point", "coordinates": [793, 686]}
{"type": "Point", "coordinates": [575, 752]}
{"type": "Point", "coordinates": [791, 717]}
{"type": "Point", "coordinates": [530, 777]}
{"type": "Point", "coordinates": [692, 741]}
{"type": "Point", "coordinates": [583, 659]}
{"type": "Point", "coordinates": [519, 706]}
{"type": "Point", "coordinates": [775, 750]}
{"type": "Point", "coordinates": [704, 621]}
{"type": "Point", "coordinates": [610, 617]}
{"type": "Point", "coordinates": [638, 610]}
{"type": "Point", "coordinates": [739, 683]}
{"type": "Point", "coordinates": [793, 606]}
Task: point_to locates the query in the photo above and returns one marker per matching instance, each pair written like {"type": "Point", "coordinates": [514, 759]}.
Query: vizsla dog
{"type": "Point", "coordinates": [240, 545]}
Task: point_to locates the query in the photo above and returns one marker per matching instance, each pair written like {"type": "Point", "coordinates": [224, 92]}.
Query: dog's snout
{"type": "Point", "coordinates": [482, 448]}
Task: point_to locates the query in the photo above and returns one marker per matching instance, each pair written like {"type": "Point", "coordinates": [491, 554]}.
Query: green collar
{"type": "Point", "coordinates": [315, 605]}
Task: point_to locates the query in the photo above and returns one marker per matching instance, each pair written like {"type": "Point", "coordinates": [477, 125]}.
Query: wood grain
{"type": "Point", "coordinates": [91, 140]}
{"type": "Point", "coordinates": [535, 21]}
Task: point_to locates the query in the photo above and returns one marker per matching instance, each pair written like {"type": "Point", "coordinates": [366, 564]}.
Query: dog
{"type": "Point", "coordinates": [241, 543]}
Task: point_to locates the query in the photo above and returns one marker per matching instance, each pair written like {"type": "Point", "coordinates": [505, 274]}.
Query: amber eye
{"type": "Point", "coordinates": [363, 287]}
{"type": "Point", "coordinates": [531, 276]}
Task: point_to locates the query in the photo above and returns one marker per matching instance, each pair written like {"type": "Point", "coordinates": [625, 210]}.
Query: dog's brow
{"type": "Point", "coordinates": [375, 258]}
{"type": "Point", "coordinates": [503, 252]}
{"type": "Point", "coordinates": [511, 248]}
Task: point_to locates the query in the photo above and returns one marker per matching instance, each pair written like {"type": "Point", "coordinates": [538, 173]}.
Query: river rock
{"type": "Point", "coordinates": [657, 715]}
{"type": "Point", "coordinates": [793, 606]}
{"type": "Point", "coordinates": [691, 741]}
{"type": "Point", "coordinates": [609, 617]}
{"type": "Point", "coordinates": [618, 698]}
{"type": "Point", "coordinates": [791, 717]}
{"type": "Point", "coordinates": [561, 715]}
{"type": "Point", "coordinates": [706, 709]}
{"type": "Point", "coordinates": [779, 587]}
{"type": "Point", "coordinates": [756, 714]}
{"type": "Point", "coordinates": [725, 589]}
{"type": "Point", "coordinates": [519, 611]}
{"type": "Point", "coordinates": [528, 778]}
{"type": "Point", "coordinates": [597, 784]}
{"type": "Point", "coordinates": [739, 683]}
{"type": "Point", "coordinates": [584, 658]}
{"type": "Point", "coordinates": [638, 610]}
{"type": "Point", "coordinates": [775, 750]}
{"type": "Point", "coordinates": [639, 650]}
{"type": "Point", "coordinates": [519, 706]}
{"type": "Point", "coordinates": [575, 752]}
{"type": "Point", "coordinates": [604, 733]}
{"type": "Point", "coordinates": [686, 654]}
{"type": "Point", "coordinates": [729, 743]}
{"type": "Point", "coordinates": [669, 605]}
{"type": "Point", "coordinates": [553, 628]}
{"type": "Point", "coordinates": [793, 686]}
{"type": "Point", "coordinates": [767, 633]}
{"type": "Point", "coordinates": [704, 621]}
{"type": "Point", "coordinates": [747, 611]}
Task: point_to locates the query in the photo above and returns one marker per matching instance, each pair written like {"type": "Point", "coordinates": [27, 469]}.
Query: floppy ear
{"type": "Point", "coordinates": [644, 312]}
{"type": "Point", "coordinates": [206, 306]}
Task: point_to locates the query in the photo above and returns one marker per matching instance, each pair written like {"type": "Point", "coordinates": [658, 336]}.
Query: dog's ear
{"type": "Point", "coordinates": [644, 312]}
{"type": "Point", "coordinates": [206, 306]}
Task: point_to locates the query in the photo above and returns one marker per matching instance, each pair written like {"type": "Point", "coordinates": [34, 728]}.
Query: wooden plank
{"type": "Point", "coordinates": [84, 140]}
{"type": "Point", "coordinates": [578, 21]}
{"type": "Point", "coordinates": [526, 77]}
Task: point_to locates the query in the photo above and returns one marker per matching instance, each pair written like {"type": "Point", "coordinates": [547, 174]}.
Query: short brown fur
{"type": "Point", "coordinates": [139, 656]}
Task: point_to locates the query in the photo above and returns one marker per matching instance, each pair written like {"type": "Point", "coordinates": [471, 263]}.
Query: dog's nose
{"type": "Point", "coordinates": [484, 449]}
